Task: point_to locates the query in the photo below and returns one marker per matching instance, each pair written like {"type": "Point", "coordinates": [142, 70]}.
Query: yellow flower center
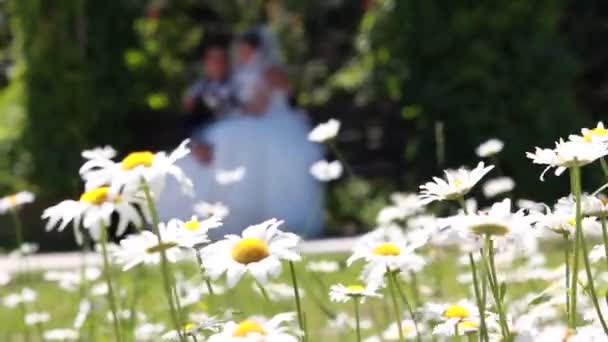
{"type": "Point", "coordinates": [12, 199]}
{"type": "Point", "coordinates": [160, 247]}
{"type": "Point", "coordinates": [457, 183]}
{"type": "Point", "coordinates": [598, 131]}
{"type": "Point", "coordinates": [489, 228]}
{"type": "Point", "coordinates": [250, 250]}
{"type": "Point", "coordinates": [468, 325]}
{"type": "Point", "coordinates": [572, 222]}
{"type": "Point", "coordinates": [355, 288]}
{"type": "Point", "coordinates": [135, 159]}
{"type": "Point", "coordinates": [188, 327]}
{"type": "Point", "coordinates": [96, 196]}
{"type": "Point", "coordinates": [456, 311]}
{"type": "Point", "coordinates": [387, 249]}
{"type": "Point", "coordinates": [192, 225]}
{"type": "Point", "coordinates": [248, 327]}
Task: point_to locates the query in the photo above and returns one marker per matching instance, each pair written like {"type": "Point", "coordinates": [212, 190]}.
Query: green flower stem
{"type": "Point", "coordinates": [108, 277]}
{"type": "Point", "coordinates": [604, 166]}
{"type": "Point", "coordinates": [496, 291]}
{"type": "Point", "coordinates": [26, 328]}
{"type": "Point", "coordinates": [567, 264]}
{"type": "Point", "coordinates": [165, 270]}
{"type": "Point", "coordinates": [334, 148]}
{"type": "Point", "coordinates": [416, 300]}
{"type": "Point", "coordinates": [604, 236]}
{"type": "Point", "coordinates": [575, 258]}
{"type": "Point", "coordinates": [576, 185]}
{"type": "Point", "coordinates": [296, 292]}
{"type": "Point", "coordinates": [358, 324]}
{"type": "Point", "coordinates": [407, 304]}
{"type": "Point", "coordinates": [397, 311]}
{"type": "Point", "coordinates": [483, 333]}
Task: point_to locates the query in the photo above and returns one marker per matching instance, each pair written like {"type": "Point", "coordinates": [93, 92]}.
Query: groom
{"type": "Point", "coordinates": [211, 97]}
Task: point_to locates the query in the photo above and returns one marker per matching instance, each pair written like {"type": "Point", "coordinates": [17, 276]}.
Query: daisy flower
{"type": "Point", "coordinates": [489, 148]}
{"type": "Point", "coordinates": [461, 318]}
{"type": "Point", "coordinates": [16, 200]}
{"type": "Point", "coordinates": [597, 134]}
{"type": "Point", "coordinates": [211, 209]}
{"type": "Point", "coordinates": [100, 169]}
{"type": "Point", "coordinates": [225, 177]}
{"type": "Point", "coordinates": [575, 152]}
{"type": "Point", "coordinates": [94, 211]}
{"type": "Point", "coordinates": [189, 329]}
{"type": "Point", "coordinates": [258, 251]}
{"type": "Point", "coordinates": [382, 256]}
{"type": "Point", "coordinates": [325, 171]}
{"type": "Point", "coordinates": [497, 222]}
{"type": "Point", "coordinates": [144, 247]}
{"type": "Point", "coordinates": [324, 131]}
{"type": "Point", "coordinates": [497, 186]}
{"type": "Point", "coordinates": [404, 206]}
{"type": "Point", "coordinates": [456, 184]}
{"type": "Point", "coordinates": [258, 330]}
{"type": "Point", "coordinates": [342, 294]}
{"type": "Point", "coordinates": [194, 232]}
{"type": "Point", "coordinates": [590, 205]}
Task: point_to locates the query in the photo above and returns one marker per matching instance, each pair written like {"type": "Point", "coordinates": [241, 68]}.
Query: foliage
{"type": "Point", "coordinates": [482, 69]}
{"type": "Point", "coordinates": [77, 90]}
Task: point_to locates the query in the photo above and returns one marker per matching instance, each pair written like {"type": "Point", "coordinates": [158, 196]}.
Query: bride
{"type": "Point", "coordinates": [260, 153]}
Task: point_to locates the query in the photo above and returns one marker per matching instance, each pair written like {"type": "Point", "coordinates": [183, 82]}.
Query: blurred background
{"type": "Point", "coordinates": [417, 85]}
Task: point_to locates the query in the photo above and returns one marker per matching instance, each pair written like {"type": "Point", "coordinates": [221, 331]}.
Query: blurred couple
{"type": "Point", "coordinates": [250, 151]}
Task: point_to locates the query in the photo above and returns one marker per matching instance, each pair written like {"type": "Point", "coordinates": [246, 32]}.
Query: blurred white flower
{"type": "Point", "coordinates": [84, 308]}
{"type": "Point", "coordinates": [323, 266]}
{"type": "Point", "coordinates": [325, 171]}
{"type": "Point", "coordinates": [407, 327]}
{"type": "Point", "coordinates": [14, 201]}
{"type": "Point", "coordinates": [148, 332]}
{"type": "Point", "coordinates": [278, 291]}
{"type": "Point", "coordinates": [211, 209]}
{"type": "Point", "coordinates": [404, 206]}
{"type": "Point", "coordinates": [590, 206]}
{"type": "Point", "coordinates": [145, 247]}
{"type": "Point", "coordinates": [489, 148]}
{"type": "Point", "coordinates": [26, 295]}
{"type": "Point", "coordinates": [497, 222]}
{"type": "Point", "coordinates": [258, 251]}
{"type": "Point", "coordinates": [340, 293]}
{"type": "Point", "coordinates": [382, 255]}
{"type": "Point", "coordinates": [258, 330]}
{"type": "Point", "coordinates": [27, 248]}
{"type": "Point", "coordinates": [457, 183]}
{"type": "Point", "coordinates": [225, 177]}
{"type": "Point", "coordinates": [193, 232]}
{"type": "Point", "coordinates": [34, 318]}
{"type": "Point", "coordinates": [574, 152]}
{"type": "Point", "coordinates": [325, 131]}
{"type": "Point", "coordinates": [496, 186]}
{"type": "Point", "coordinates": [5, 278]}
{"type": "Point", "coordinates": [61, 335]}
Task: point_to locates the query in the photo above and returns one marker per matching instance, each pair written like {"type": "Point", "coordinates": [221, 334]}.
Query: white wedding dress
{"type": "Point", "coordinates": [274, 151]}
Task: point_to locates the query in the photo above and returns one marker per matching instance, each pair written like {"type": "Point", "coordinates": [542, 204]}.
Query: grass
{"type": "Point", "coordinates": [142, 288]}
